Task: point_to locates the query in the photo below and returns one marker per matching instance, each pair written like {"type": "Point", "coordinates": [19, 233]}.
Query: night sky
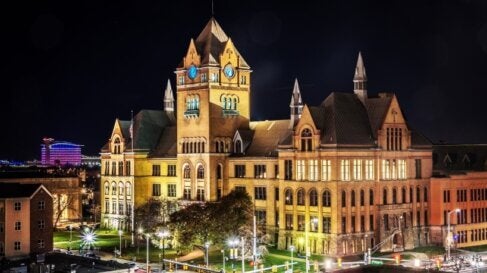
{"type": "Point", "coordinates": [69, 68]}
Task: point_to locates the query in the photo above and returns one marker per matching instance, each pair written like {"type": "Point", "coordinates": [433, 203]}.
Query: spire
{"type": "Point", "coordinates": [169, 101]}
{"type": "Point", "coordinates": [360, 79]}
{"type": "Point", "coordinates": [296, 105]}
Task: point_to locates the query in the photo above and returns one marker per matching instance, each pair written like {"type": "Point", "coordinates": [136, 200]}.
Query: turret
{"type": "Point", "coordinates": [360, 79]}
{"type": "Point", "coordinates": [296, 105]}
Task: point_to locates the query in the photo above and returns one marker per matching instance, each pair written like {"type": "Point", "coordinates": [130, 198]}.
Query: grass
{"type": "Point", "coordinates": [476, 248]}
{"type": "Point", "coordinates": [431, 251]}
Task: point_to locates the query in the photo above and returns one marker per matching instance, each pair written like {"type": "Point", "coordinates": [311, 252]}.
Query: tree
{"type": "Point", "coordinates": [154, 214]}
{"type": "Point", "coordinates": [61, 203]}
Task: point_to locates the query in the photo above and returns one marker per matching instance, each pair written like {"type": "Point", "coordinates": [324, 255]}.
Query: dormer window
{"type": "Point", "coordinates": [238, 147]}
{"type": "Point", "coordinates": [394, 139]}
{"type": "Point", "coordinates": [116, 146]}
{"type": "Point", "coordinates": [306, 140]}
{"type": "Point", "coordinates": [192, 106]}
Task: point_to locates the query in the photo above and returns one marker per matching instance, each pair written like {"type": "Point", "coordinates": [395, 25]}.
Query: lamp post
{"type": "Point", "coordinates": [163, 234]}
{"type": "Point", "coordinates": [314, 220]}
{"type": "Point", "coordinates": [292, 259]}
{"type": "Point", "coordinates": [223, 257]}
{"type": "Point", "coordinates": [448, 235]}
{"type": "Point", "coordinates": [120, 232]}
{"type": "Point", "coordinates": [140, 232]}
{"type": "Point", "coordinates": [207, 245]}
{"type": "Point", "coordinates": [147, 252]}
{"type": "Point", "coordinates": [70, 235]}
{"type": "Point", "coordinates": [243, 254]}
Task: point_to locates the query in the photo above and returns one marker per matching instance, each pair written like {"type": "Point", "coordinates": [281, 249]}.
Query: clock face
{"type": "Point", "coordinates": [192, 72]}
{"type": "Point", "coordinates": [229, 71]}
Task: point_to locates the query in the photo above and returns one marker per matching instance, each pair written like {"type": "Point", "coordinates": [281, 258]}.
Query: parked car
{"type": "Point", "coordinates": [133, 265]}
{"type": "Point", "coordinates": [91, 256]}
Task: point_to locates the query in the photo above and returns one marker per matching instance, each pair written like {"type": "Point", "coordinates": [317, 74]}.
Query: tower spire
{"type": "Point", "coordinates": [360, 79]}
{"type": "Point", "coordinates": [169, 101]}
{"type": "Point", "coordinates": [296, 105]}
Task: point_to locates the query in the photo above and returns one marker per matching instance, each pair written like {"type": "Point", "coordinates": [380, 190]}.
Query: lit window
{"type": "Point", "coordinates": [369, 169]}
{"type": "Point", "coordinates": [200, 172]}
{"type": "Point", "coordinates": [260, 171]}
{"type": "Point", "coordinates": [325, 170]}
{"type": "Point", "coordinates": [288, 195]}
{"type": "Point", "coordinates": [401, 165]}
{"type": "Point", "coordinates": [300, 170]}
{"type": "Point", "coordinates": [171, 190]}
{"type": "Point", "coordinates": [357, 169]}
{"type": "Point", "coordinates": [386, 170]}
{"type": "Point", "coordinates": [181, 80]}
{"type": "Point", "coordinates": [313, 170]}
{"type": "Point", "coordinates": [107, 188]}
{"type": "Point", "coordinates": [345, 169]}
{"type": "Point", "coordinates": [187, 172]}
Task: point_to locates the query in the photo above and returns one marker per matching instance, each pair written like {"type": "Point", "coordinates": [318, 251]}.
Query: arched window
{"type": "Point", "coordinates": [362, 198]}
{"type": "Point", "coordinates": [344, 199]}
{"type": "Point", "coordinates": [288, 195]}
{"type": "Point", "coordinates": [326, 198]}
{"type": "Point", "coordinates": [224, 103]}
{"type": "Point", "coordinates": [200, 172]}
{"type": "Point", "coordinates": [352, 198]}
{"type": "Point", "coordinates": [187, 172]}
{"type": "Point", "coordinates": [418, 194]}
{"type": "Point", "coordinates": [306, 140]}
{"type": "Point", "coordinates": [116, 146]}
{"type": "Point", "coordinates": [107, 188]}
{"type": "Point", "coordinates": [121, 188]}
{"type": "Point", "coordinates": [222, 147]}
{"type": "Point", "coordinates": [371, 197]}
{"type": "Point", "coordinates": [403, 195]}
{"type": "Point", "coordinates": [313, 198]}
{"type": "Point", "coordinates": [238, 146]}
{"type": "Point", "coordinates": [128, 189]}
{"type": "Point", "coordinates": [234, 104]}
{"type": "Point", "coordinates": [300, 196]}
{"type": "Point", "coordinates": [394, 196]}
{"type": "Point", "coordinates": [219, 172]}
{"type": "Point", "coordinates": [384, 196]}
{"type": "Point", "coordinates": [425, 195]}
{"type": "Point", "coordinates": [114, 188]}
{"type": "Point", "coordinates": [217, 147]}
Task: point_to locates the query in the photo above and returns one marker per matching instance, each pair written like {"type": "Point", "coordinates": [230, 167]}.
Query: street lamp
{"type": "Point", "coordinates": [140, 232]}
{"type": "Point", "coordinates": [163, 234]}
{"type": "Point", "coordinates": [292, 260]}
{"type": "Point", "coordinates": [314, 221]}
{"type": "Point", "coordinates": [120, 232]}
{"type": "Point", "coordinates": [207, 245]}
{"type": "Point", "coordinates": [147, 252]}
{"type": "Point", "coordinates": [223, 257]}
{"type": "Point", "coordinates": [448, 233]}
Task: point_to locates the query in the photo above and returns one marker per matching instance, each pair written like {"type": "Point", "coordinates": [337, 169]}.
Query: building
{"type": "Point", "coordinates": [25, 220]}
{"type": "Point", "coordinates": [65, 186]}
{"type": "Point", "coordinates": [60, 153]}
{"type": "Point", "coordinates": [459, 192]}
{"type": "Point", "coordinates": [350, 171]}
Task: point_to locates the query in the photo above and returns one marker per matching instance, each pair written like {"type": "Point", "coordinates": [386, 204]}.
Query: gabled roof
{"type": "Point", "coordinates": [266, 137]}
{"type": "Point", "coordinates": [377, 110]}
{"type": "Point", "coordinates": [211, 42]}
{"type": "Point", "coordinates": [17, 190]}
{"type": "Point", "coordinates": [346, 121]}
{"type": "Point", "coordinates": [246, 136]}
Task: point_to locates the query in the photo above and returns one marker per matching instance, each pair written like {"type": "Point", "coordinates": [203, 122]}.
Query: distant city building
{"type": "Point", "coordinates": [25, 220]}
{"type": "Point", "coordinates": [60, 152]}
{"type": "Point", "coordinates": [90, 161]}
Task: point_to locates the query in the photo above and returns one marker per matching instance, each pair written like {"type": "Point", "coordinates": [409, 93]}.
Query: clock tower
{"type": "Point", "coordinates": [213, 101]}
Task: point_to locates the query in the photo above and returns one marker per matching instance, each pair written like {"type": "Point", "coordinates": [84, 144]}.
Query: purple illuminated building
{"type": "Point", "coordinates": [60, 152]}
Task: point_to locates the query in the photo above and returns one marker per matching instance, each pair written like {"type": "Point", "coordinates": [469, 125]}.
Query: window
{"type": "Point", "coordinates": [107, 168]}
{"type": "Point", "coordinates": [120, 208]}
{"type": "Point", "coordinates": [238, 147]}
{"type": "Point", "coordinates": [240, 189]}
{"type": "Point", "coordinates": [187, 193]}
{"type": "Point", "coordinates": [313, 198]}
{"type": "Point", "coordinates": [425, 194]}
{"type": "Point", "coordinates": [344, 199]}
{"type": "Point", "coordinates": [394, 137]}
{"type": "Point", "coordinates": [2, 227]}
{"type": "Point", "coordinates": [344, 225]}
{"type": "Point", "coordinates": [362, 198]}
{"type": "Point", "coordinates": [18, 226]}
{"type": "Point", "coordinates": [204, 77]}
{"type": "Point", "coordinates": [386, 171]}
{"type": "Point", "coordinates": [371, 222]}
{"type": "Point", "coordinates": [192, 106]}
{"type": "Point", "coordinates": [260, 193]}
{"type": "Point", "coordinates": [180, 80]}
{"type": "Point", "coordinates": [345, 170]}
{"type": "Point", "coordinates": [313, 170]}
{"type": "Point", "coordinates": [426, 218]}
{"type": "Point", "coordinates": [41, 205]}
{"type": "Point", "coordinates": [243, 80]}
{"type": "Point", "coordinates": [156, 170]}
{"type": "Point", "coordinates": [362, 223]}
{"type": "Point", "coordinates": [386, 221]}
{"type": "Point", "coordinates": [114, 168]}
{"type": "Point", "coordinates": [276, 193]}
{"type": "Point", "coordinates": [40, 243]}
{"type": "Point", "coordinates": [394, 196]}
{"type": "Point", "coordinates": [352, 198]}
{"type": "Point", "coordinates": [128, 190]}
{"type": "Point", "coordinates": [300, 196]}
{"type": "Point", "coordinates": [276, 171]}
{"type": "Point", "coordinates": [259, 171]}
{"type": "Point", "coordinates": [357, 169]}
{"type": "Point", "coordinates": [17, 246]}
{"type": "Point", "coordinates": [418, 194]}
{"type": "Point", "coordinates": [289, 221]}
{"type": "Point", "coordinates": [401, 168]}
{"type": "Point", "coordinates": [288, 169]}
{"type": "Point", "coordinates": [116, 146]}
{"type": "Point", "coordinates": [171, 170]}
{"type": "Point", "coordinates": [417, 163]}
{"type": "Point", "coordinates": [289, 197]}
{"type": "Point", "coordinates": [301, 223]}
{"type": "Point", "coordinates": [300, 170]}
{"type": "Point", "coordinates": [325, 170]}
{"type": "Point", "coordinates": [156, 189]}
{"type": "Point", "coordinates": [393, 170]}
{"type": "Point", "coordinates": [41, 224]}
{"type": "Point", "coordinates": [120, 168]}
{"type": "Point", "coordinates": [371, 197]}
{"type": "Point", "coordinates": [200, 194]}
{"type": "Point", "coordinates": [313, 224]}
{"type": "Point", "coordinates": [120, 188]}
{"type": "Point", "coordinates": [128, 169]}
{"type": "Point", "coordinates": [171, 190]}
{"type": "Point", "coordinates": [200, 172]}
{"type": "Point", "coordinates": [240, 171]}
{"type": "Point", "coordinates": [326, 224]}
{"type": "Point", "coordinates": [261, 216]}
{"type": "Point", "coordinates": [411, 196]}
{"type": "Point", "coordinates": [326, 198]}
{"type": "Point", "coordinates": [214, 77]}
{"type": "Point", "coordinates": [446, 196]}
{"type": "Point", "coordinates": [384, 197]}
{"type": "Point", "coordinates": [403, 195]}
{"type": "Point", "coordinates": [107, 188]}
{"type": "Point", "coordinates": [369, 169]}
{"type": "Point", "coordinates": [353, 224]}
{"type": "Point", "coordinates": [306, 140]}
{"type": "Point", "coordinates": [17, 206]}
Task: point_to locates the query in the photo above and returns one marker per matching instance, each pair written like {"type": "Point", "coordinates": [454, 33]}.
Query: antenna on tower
{"type": "Point", "coordinates": [212, 9]}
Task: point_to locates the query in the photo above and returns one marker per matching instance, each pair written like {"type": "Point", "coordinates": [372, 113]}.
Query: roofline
{"type": "Point", "coordinates": [41, 187]}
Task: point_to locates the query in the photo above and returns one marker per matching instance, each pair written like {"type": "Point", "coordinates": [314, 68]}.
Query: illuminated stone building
{"type": "Point", "coordinates": [349, 170]}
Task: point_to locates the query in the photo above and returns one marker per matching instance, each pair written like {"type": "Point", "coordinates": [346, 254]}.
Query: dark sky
{"type": "Point", "coordinates": [69, 68]}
